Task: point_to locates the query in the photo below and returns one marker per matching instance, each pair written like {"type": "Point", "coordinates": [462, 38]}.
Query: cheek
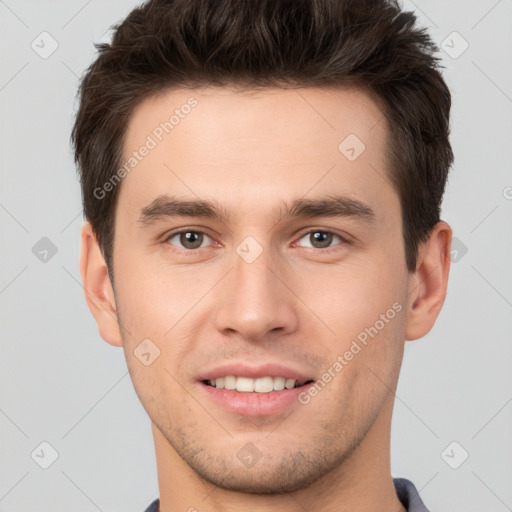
{"type": "Point", "coordinates": [364, 310]}
{"type": "Point", "coordinates": [147, 301]}
{"type": "Point", "coordinates": [350, 298]}
{"type": "Point", "coordinates": [157, 308]}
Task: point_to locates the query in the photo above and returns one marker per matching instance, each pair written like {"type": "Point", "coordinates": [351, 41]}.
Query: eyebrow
{"type": "Point", "coordinates": [165, 206]}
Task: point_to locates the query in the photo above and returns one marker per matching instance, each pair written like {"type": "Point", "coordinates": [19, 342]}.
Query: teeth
{"type": "Point", "coordinates": [229, 382]}
{"type": "Point", "coordinates": [248, 385]}
{"type": "Point", "coordinates": [279, 383]}
{"type": "Point", "coordinates": [264, 385]}
{"type": "Point", "coordinates": [289, 383]}
{"type": "Point", "coordinates": [245, 384]}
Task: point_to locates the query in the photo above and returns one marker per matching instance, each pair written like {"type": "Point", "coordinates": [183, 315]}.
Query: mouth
{"type": "Point", "coordinates": [257, 396]}
{"type": "Point", "coordinates": [244, 389]}
{"type": "Point", "coordinates": [267, 384]}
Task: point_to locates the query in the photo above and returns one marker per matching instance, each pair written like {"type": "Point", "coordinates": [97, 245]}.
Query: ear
{"type": "Point", "coordinates": [428, 284]}
{"type": "Point", "coordinates": [99, 293]}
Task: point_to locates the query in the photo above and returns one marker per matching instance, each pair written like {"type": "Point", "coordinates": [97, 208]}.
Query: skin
{"type": "Point", "coordinates": [295, 305]}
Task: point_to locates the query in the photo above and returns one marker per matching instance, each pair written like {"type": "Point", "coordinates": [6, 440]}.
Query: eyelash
{"type": "Point", "coordinates": [344, 241]}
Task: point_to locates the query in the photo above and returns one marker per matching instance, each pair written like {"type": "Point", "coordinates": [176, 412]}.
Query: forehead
{"type": "Point", "coordinates": [242, 146]}
{"type": "Point", "coordinates": [212, 113]}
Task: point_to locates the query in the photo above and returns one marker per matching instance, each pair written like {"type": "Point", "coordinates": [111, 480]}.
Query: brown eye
{"type": "Point", "coordinates": [189, 240]}
{"type": "Point", "coordinates": [320, 239]}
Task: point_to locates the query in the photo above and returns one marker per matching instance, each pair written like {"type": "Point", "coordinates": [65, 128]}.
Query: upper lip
{"type": "Point", "coordinates": [242, 369]}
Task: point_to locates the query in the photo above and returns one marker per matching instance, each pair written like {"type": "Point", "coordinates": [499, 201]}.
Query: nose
{"type": "Point", "coordinates": [257, 301]}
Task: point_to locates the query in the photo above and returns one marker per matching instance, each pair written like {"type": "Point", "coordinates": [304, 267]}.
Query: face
{"type": "Point", "coordinates": [289, 271]}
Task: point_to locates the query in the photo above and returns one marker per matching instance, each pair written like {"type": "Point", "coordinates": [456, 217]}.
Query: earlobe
{"type": "Point", "coordinates": [428, 285]}
{"type": "Point", "coordinates": [99, 293]}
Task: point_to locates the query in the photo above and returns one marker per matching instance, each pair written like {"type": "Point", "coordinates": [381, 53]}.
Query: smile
{"type": "Point", "coordinates": [259, 385]}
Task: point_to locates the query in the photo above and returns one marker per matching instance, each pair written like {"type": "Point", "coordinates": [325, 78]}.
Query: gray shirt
{"type": "Point", "coordinates": [405, 490]}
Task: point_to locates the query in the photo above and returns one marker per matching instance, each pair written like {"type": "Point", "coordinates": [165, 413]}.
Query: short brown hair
{"type": "Point", "coordinates": [165, 44]}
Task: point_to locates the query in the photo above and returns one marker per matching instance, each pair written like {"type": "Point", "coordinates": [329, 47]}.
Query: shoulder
{"type": "Point", "coordinates": [154, 506]}
{"type": "Point", "coordinates": [409, 495]}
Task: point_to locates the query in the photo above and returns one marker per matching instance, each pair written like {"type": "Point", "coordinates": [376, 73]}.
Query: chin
{"type": "Point", "coordinates": [289, 474]}
{"type": "Point", "coordinates": [260, 481]}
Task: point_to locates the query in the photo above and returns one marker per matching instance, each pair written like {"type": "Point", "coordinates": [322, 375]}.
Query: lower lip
{"type": "Point", "coordinates": [253, 404]}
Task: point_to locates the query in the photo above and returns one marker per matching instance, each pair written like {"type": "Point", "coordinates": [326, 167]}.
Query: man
{"type": "Point", "coordinates": [262, 184]}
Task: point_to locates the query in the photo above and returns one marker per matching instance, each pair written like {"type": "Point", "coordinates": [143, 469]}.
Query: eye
{"type": "Point", "coordinates": [321, 239]}
{"type": "Point", "coordinates": [189, 239]}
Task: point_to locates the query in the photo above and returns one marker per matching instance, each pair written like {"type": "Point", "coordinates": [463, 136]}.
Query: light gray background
{"type": "Point", "coordinates": [61, 383]}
